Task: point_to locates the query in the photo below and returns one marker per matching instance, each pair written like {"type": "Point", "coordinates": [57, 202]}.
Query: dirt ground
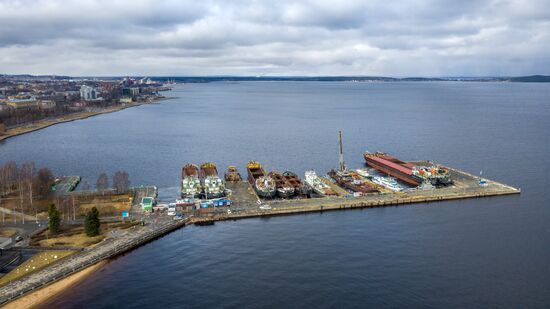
{"type": "Point", "coordinates": [74, 236]}
{"type": "Point", "coordinates": [7, 232]}
{"type": "Point", "coordinates": [107, 205]}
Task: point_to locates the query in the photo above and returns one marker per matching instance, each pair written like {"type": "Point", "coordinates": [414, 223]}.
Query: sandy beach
{"type": "Point", "coordinates": [37, 298]}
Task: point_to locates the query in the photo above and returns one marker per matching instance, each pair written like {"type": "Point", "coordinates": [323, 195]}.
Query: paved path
{"type": "Point", "coordinates": [16, 213]}
{"type": "Point", "coordinates": [110, 247]}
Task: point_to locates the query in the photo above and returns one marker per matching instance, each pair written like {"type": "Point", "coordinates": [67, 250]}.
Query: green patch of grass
{"type": "Point", "coordinates": [35, 263]}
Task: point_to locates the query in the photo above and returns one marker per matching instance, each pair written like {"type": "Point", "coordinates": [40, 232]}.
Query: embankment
{"type": "Point", "coordinates": [39, 297]}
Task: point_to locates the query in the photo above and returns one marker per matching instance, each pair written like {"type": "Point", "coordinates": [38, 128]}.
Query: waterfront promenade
{"type": "Point", "coordinates": [155, 226]}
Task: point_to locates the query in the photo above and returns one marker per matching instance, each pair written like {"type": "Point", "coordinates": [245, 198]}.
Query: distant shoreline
{"type": "Point", "coordinates": [229, 78]}
{"type": "Point", "coordinates": [536, 78]}
{"type": "Point", "coordinates": [42, 124]}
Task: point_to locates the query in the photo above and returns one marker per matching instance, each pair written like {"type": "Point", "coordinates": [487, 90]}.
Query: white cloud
{"type": "Point", "coordinates": [395, 38]}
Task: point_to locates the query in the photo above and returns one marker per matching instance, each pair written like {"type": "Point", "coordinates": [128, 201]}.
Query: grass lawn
{"type": "Point", "coordinates": [75, 236]}
{"type": "Point", "coordinates": [77, 240]}
{"type": "Point", "coordinates": [35, 263]}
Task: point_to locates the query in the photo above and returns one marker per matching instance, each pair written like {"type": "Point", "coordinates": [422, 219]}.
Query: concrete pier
{"type": "Point", "coordinates": [465, 186]}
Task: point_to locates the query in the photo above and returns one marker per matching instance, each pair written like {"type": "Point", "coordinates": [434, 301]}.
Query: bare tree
{"type": "Point", "coordinates": [102, 182]}
{"type": "Point", "coordinates": [8, 177]}
{"type": "Point", "coordinates": [121, 182]}
{"type": "Point", "coordinates": [27, 172]}
{"type": "Point", "coordinates": [44, 182]}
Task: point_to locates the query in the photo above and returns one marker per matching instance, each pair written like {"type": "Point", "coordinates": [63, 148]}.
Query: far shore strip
{"type": "Point", "coordinates": [42, 124]}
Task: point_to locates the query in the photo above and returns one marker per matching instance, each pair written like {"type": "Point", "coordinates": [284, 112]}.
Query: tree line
{"type": "Point", "coordinates": [92, 223]}
{"type": "Point", "coordinates": [25, 179]}
{"type": "Point", "coordinates": [121, 182]}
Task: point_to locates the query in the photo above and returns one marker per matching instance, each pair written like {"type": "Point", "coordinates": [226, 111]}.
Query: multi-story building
{"type": "Point", "coordinates": [88, 93]}
{"type": "Point", "coordinates": [21, 101]}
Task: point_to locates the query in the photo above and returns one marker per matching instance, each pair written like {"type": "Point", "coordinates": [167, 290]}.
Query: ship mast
{"type": "Point", "coordinates": [341, 153]}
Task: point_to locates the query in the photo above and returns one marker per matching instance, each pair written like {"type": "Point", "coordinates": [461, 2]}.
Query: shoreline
{"type": "Point", "coordinates": [41, 296]}
{"type": "Point", "coordinates": [42, 124]}
{"type": "Point", "coordinates": [49, 282]}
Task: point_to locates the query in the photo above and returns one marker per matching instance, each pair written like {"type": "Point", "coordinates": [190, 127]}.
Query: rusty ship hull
{"type": "Point", "coordinates": [300, 188]}
{"type": "Point", "coordinates": [262, 184]}
{"type": "Point", "coordinates": [351, 181]}
{"type": "Point", "coordinates": [232, 174]}
{"type": "Point", "coordinates": [190, 182]}
{"type": "Point", "coordinates": [284, 188]}
{"type": "Point", "coordinates": [213, 186]}
{"type": "Point", "coordinates": [392, 166]}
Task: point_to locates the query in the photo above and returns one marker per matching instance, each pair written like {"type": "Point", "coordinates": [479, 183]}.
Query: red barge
{"type": "Point", "coordinates": [392, 166]}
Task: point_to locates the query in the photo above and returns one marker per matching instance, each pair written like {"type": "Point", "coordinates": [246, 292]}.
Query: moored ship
{"type": "Point", "coordinates": [190, 183]}
{"type": "Point", "coordinates": [262, 184]}
{"type": "Point", "coordinates": [387, 182]}
{"type": "Point", "coordinates": [232, 174]}
{"type": "Point", "coordinates": [435, 175]}
{"type": "Point", "coordinates": [300, 188]}
{"type": "Point", "coordinates": [212, 184]}
{"type": "Point", "coordinates": [316, 184]}
{"type": "Point", "coordinates": [392, 166]}
{"type": "Point", "coordinates": [348, 179]}
{"type": "Point", "coordinates": [351, 181]}
{"type": "Point", "coordinates": [284, 188]}
{"type": "Point", "coordinates": [363, 172]}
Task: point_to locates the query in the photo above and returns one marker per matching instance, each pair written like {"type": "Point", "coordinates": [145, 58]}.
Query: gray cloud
{"type": "Point", "coordinates": [247, 37]}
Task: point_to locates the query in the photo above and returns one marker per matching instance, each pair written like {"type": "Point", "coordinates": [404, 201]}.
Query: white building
{"type": "Point", "coordinates": [88, 93]}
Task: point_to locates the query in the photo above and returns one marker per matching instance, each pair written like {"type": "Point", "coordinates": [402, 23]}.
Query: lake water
{"type": "Point", "coordinates": [481, 252]}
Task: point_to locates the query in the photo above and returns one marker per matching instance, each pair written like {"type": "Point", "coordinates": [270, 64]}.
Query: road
{"type": "Point", "coordinates": [16, 213]}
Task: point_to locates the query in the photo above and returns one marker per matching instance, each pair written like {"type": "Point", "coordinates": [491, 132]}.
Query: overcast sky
{"type": "Point", "coordinates": [317, 37]}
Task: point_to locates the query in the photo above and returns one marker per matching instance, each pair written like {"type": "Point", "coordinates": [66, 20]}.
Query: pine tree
{"type": "Point", "coordinates": [92, 223]}
{"type": "Point", "coordinates": [54, 219]}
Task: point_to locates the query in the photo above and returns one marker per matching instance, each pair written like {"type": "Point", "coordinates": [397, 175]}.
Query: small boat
{"type": "Point", "coordinates": [387, 182]}
{"type": "Point", "coordinates": [316, 184]}
{"type": "Point", "coordinates": [363, 172]}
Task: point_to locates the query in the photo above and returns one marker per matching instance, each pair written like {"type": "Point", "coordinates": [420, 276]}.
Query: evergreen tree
{"type": "Point", "coordinates": [91, 223]}
{"type": "Point", "coordinates": [53, 219]}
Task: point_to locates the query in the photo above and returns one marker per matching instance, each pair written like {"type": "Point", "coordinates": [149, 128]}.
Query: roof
{"type": "Point", "coordinates": [392, 165]}
{"type": "Point", "coordinates": [147, 200]}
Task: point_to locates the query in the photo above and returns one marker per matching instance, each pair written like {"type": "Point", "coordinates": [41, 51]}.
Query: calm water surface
{"type": "Point", "coordinates": [483, 252]}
